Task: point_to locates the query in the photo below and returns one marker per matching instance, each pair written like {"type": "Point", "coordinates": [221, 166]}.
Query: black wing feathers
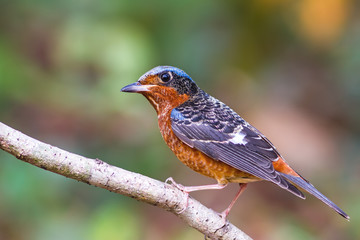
{"type": "Point", "coordinates": [210, 126]}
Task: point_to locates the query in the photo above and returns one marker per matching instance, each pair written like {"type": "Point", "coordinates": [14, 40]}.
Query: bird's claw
{"type": "Point", "coordinates": [186, 204]}
{"type": "Point", "coordinates": [223, 216]}
{"type": "Point", "coordinates": [171, 181]}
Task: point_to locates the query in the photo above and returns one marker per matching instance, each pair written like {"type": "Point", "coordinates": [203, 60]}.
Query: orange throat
{"type": "Point", "coordinates": [165, 99]}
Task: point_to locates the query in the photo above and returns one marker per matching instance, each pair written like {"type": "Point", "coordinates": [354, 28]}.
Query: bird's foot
{"type": "Point", "coordinates": [189, 189]}
{"type": "Point", "coordinates": [171, 181]}
{"type": "Point", "coordinates": [223, 216]}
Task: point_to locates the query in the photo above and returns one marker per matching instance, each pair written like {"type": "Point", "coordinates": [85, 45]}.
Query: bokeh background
{"type": "Point", "coordinates": [291, 68]}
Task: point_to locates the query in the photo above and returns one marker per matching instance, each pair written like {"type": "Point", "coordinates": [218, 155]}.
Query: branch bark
{"type": "Point", "coordinates": [98, 173]}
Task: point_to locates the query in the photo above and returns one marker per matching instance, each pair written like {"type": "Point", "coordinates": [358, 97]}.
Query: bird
{"type": "Point", "coordinates": [213, 140]}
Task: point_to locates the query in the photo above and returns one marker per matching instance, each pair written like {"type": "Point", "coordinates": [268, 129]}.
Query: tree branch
{"type": "Point", "coordinates": [98, 173]}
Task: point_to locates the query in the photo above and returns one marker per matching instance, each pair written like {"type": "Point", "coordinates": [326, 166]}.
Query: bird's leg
{"type": "Point", "coordinates": [225, 213]}
{"type": "Point", "coordinates": [189, 189]}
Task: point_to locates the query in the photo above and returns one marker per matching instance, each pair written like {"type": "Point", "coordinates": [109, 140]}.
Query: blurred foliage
{"type": "Point", "coordinates": [289, 67]}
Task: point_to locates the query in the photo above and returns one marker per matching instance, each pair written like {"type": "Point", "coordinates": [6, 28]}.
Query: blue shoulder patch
{"type": "Point", "coordinates": [175, 114]}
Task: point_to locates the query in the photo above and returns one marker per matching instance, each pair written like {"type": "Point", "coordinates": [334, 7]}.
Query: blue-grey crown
{"type": "Point", "coordinates": [159, 69]}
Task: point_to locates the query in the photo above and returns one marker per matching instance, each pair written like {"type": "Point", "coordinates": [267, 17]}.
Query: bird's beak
{"type": "Point", "coordinates": [136, 87]}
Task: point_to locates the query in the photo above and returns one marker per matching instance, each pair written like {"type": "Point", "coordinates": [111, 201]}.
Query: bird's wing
{"type": "Point", "coordinates": [245, 148]}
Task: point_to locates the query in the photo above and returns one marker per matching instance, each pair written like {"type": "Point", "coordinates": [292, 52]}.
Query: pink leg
{"type": "Point", "coordinates": [187, 190]}
{"type": "Point", "coordinates": [225, 213]}
{"type": "Point", "coordinates": [195, 188]}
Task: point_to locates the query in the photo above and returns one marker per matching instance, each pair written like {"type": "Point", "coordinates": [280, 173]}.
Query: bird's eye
{"type": "Point", "coordinates": [165, 77]}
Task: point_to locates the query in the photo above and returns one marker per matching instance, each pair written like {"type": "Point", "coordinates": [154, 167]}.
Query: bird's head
{"type": "Point", "coordinates": [164, 87]}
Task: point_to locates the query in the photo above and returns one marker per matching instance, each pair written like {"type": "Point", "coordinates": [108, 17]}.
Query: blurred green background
{"type": "Point", "coordinates": [291, 68]}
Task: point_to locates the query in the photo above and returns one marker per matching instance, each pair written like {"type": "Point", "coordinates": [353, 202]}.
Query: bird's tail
{"type": "Point", "coordinates": [304, 184]}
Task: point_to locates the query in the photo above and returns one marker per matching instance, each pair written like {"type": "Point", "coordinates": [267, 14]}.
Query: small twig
{"type": "Point", "coordinates": [98, 173]}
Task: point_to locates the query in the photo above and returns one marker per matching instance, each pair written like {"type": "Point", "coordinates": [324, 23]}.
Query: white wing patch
{"type": "Point", "coordinates": [239, 138]}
